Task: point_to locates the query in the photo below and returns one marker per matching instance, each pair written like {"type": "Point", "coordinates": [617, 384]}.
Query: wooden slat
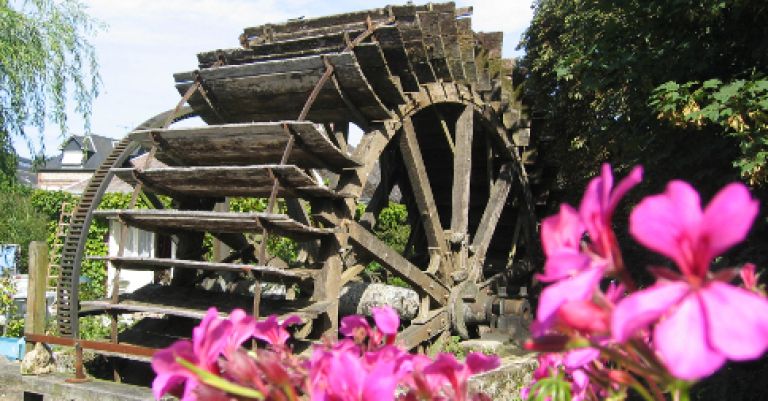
{"type": "Point", "coordinates": [462, 171]}
{"type": "Point", "coordinates": [415, 334]}
{"type": "Point", "coordinates": [170, 221]}
{"type": "Point", "coordinates": [218, 181]}
{"type": "Point", "coordinates": [467, 46]}
{"type": "Point", "coordinates": [300, 25]}
{"type": "Point", "coordinates": [194, 303]}
{"type": "Point", "coordinates": [430, 27]}
{"type": "Point", "coordinates": [391, 42]}
{"type": "Point", "coordinates": [253, 92]}
{"type": "Point", "coordinates": [413, 41]}
{"type": "Point", "coordinates": [246, 144]}
{"type": "Point", "coordinates": [151, 264]}
{"type": "Point", "coordinates": [377, 72]}
{"type": "Point", "coordinates": [417, 174]}
{"type": "Point", "coordinates": [491, 215]}
{"type": "Point", "coordinates": [333, 42]}
{"type": "Point", "coordinates": [395, 263]}
{"type": "Point", "coordinates": [450, 36]}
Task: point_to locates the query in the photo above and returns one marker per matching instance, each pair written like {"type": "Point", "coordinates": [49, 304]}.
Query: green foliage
{"type": "Point", "coordinates": [592, 68]}
{"type": "Point", "coordinates": [553, 388]}
{"type": "Point", "coordinates": [49, 203]}
{"type": "Point", "coordinates": [46, 59]}
{"type": "Point", "coordinates": [94, 328]}
{"type": "Point", "coordinates": [392, 226]}
{"type": "Point", "coordinates": [739, 108]}
{"type": "Point", "coordinates": [284, 248]}
{"type": "Point", "coordinates": [20, 223]}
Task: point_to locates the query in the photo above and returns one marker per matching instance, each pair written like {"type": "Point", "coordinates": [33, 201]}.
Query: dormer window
{"type": "Point", "coordinates": [72, 157]}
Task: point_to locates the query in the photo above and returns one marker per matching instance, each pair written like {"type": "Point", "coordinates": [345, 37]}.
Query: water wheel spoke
{"type": "Point", "coordinates": [491, 215]}
{"type": "Point", "coordinates": [422, 191]}
{"type": "Point", "coordinates": [462, 171]}
{"type": "Point", "coordinates": [397, 264]}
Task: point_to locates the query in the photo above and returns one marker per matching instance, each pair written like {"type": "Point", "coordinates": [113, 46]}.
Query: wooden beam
{"type": "Point", "coordinates": [415, 334]}
{"type": "Point", "coordinates": [422, 190]}
{"type": "Point", "coordinates": [491, 216]}
{"type": "Point", "coordinates": [394, 262]}
{"type": "Point", "coordinates": [380, 198]}
{"type": "Point", "coordinates": [328, 286]}
{"type": "Point", "coordinates": [462, 171]}
{"type": "Point", "coordinates": [34, 319]}
{"type": "Point", "coordinates": [295, 210]}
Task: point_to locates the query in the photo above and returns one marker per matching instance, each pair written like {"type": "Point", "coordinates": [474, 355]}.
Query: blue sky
{"type": "Point", "coordinates": [146, 41]}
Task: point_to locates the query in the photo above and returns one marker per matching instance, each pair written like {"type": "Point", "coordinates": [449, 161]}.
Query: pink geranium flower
{"type": "Point", "coordinates": [456, 374]}
{"type": "Point", "coordinates": [597, 206]}
{"type": "Point", "coordinates": [243, 327]}
{"type": "Point", "coordinates": [339, 374]}
{"type": "Point", "coordinates": [575, 268]}
{"type": "Point", "coordinates": [273, 332]}
{"type": "Point", "coordinates": [208, 341]}
{"type": "Point", "coordinates": [719, 321]}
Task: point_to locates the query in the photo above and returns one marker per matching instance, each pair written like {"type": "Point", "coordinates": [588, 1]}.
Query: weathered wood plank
{"type": "Point", "coordinates": [304, 24]}
{"type": "Point", "coordinates": [333, 42]}
{"type": "Point", "coordinates": [218, 181]}
{"type": "Point", "coordinates": [215, 222]}
{"type": "Point", "coordinates": [467, 46]}
{"type": "Point", "coordinates": [450, 37]}
{"type": "Point", "coordinates": [491, 215]}
{"type": "Point", "coordinates": [380, 199]}
{"type": "Point", "coordinates": [251, 91]}
{"type": "Point", "coordinates": [462, 171]}
{"type": "Point", "coordinates": [413, 41]}
{"type": "Point", "coordinates": [246, 144]}
{"type": "Point", "coordinates": [193, 303]}
{"type": "Point", "coordinates": [395, 263]}
{"type": "Point", "coordinates": [151, 264]}
{"type": "Point", "coordinates": [391, 42]}
{"type": "Point", "coordinates": [422, 190]}
{"type": "Point", "coordinates": [374, 66]}
{"type": "Point", "coordinates": [430, 27]}
{"type": "Point", "coordinates": [435, 323]}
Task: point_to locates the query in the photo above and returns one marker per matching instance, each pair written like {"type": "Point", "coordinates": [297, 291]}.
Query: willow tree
{"type": "Point", "coordinates": [46, 62]}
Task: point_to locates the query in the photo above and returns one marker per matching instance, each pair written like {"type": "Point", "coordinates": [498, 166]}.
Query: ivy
{"type": "Point", "coordinates": [738, 108]}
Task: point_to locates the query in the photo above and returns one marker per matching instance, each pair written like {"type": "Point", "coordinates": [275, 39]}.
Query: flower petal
{"type": "Point", "coordinates": [661, 222]}
{"type": "Point", "coordinates": [477, 362]}
{"type": "Point", "coordinates": [211, 337]}
{"type": "Point", "coordinates": [578, 287]}
{"type": "Point", "coordinates": [381, 382]}
{"type": "Point", "coordinates": [681, 341]}
{"type": "Point", "coordinates": [631, 180]}
{"type": "Point", "coordinates": [642, 308]}
{"type": "Point", "coordinates": [170, 375]}
{"type": "Point", "coordinates": [560, 265]}
{"type": "Point", "coordinates": [728, 217]}
{"type": "Point", "coordinates": [563, 230]}
{"type": "Point", "coordinates": [386, 318]}
{"type": "Point", "coordinates": [737, 321]}
{"type": "Point", "coordinates": [579, 357]}
{"type": "Point", "coordinates": [350, 323]}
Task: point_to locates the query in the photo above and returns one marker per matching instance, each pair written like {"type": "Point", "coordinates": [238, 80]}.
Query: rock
{"type": "Point", "coordinates": [358, 298]}
{"type": "Point", "coordinates": [505, 382]}
{"type": "Point", "coordinates": [489, 347]}
{"type": "Point", "coordinates": [38, 362]}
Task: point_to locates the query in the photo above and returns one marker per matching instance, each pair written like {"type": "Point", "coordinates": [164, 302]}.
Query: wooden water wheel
{"type": "Point", "coordinates": [442, 135]}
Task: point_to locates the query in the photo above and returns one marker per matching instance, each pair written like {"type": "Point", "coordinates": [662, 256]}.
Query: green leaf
{"type": "Point", "coordinates": [218, 382]}
{"type": "Point", "coordinates": [711, 83]}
